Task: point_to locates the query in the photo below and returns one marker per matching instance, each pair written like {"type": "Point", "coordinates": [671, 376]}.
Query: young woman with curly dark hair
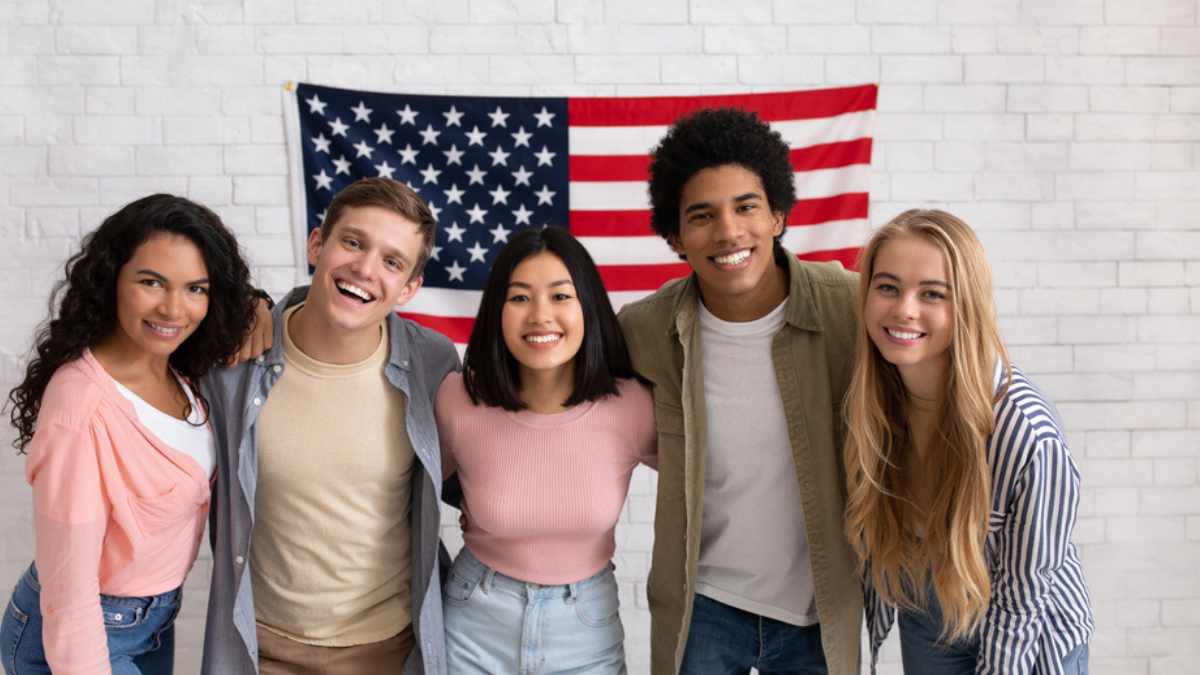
{"type": "Point", "coordinates": [119, 449]}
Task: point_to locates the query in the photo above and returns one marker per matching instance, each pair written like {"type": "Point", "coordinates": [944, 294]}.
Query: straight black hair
{"type": "Point", "coordinates": [490, 372]}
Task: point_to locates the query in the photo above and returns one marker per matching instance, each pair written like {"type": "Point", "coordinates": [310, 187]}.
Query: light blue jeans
{"type": "Point", "coordinates": [497, 624]}
{"type": "Point", "coordinates": [141, 631]}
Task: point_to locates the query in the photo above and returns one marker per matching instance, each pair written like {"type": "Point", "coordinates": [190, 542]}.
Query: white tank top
{"type": "Point", "coordinates": [192, 437]}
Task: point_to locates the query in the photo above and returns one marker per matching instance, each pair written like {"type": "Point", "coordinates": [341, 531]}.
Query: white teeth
{"type": "Point", "coordinates": [732, 258]}
{"type": "Point", "coordinates": [903, 335]}
{"type": "Point", "coordinates": [542, 339]}
{"type": "Point", "coordinates": [163, 330]}
{"type": "Point", "coordinates": [355, 290]}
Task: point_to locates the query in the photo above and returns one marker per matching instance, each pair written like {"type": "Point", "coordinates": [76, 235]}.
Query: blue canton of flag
{"type": "Point", "coordinates": [487, 166]}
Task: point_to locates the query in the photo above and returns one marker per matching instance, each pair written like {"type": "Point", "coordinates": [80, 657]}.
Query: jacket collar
{"type": "Point", "coordinates": [800, 310]}
{"type": "Point", "coordinates": [399, 347]}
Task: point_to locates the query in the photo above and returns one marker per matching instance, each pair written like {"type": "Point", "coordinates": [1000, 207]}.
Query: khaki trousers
{"type": "Point", "coordinates": [278, 655]}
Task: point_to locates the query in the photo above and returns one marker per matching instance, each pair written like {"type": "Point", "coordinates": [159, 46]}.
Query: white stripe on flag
{"type": "Point", "coordinates": [631, 195]}
{"type": "Point", "coordinates": [638, 140]}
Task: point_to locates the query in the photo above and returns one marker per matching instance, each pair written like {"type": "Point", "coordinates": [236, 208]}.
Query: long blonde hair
{"type": "Point", "coordinates": [950, 552]}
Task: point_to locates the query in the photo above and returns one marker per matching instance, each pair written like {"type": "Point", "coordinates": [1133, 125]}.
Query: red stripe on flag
{"type": "Point", "coordinates": [849, 206]}
{"type": "Point", "coordinates": [832, 155]}
{"type": "Point", "coordinates": [847, 256]}
{"type": "Point", "coordinates": [641, 277]}
{"type": "Point", "coordinates": [611, 223]}
{"type": "Point", "coordinates": [457, 328]}
{"type": "Point", "coordinates": [607, 168]}
{"type": "Point", "coordinates": [662, 110]}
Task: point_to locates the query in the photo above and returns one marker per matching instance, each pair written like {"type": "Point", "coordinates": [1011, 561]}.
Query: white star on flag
{"type": "Point", "coordinates": [408, 155]}
{"type": "Point", "coordinates": [522, 175]}
{"type": "Point", "coordinates": [430, 174]}
{"type": "Point", "coordinates": [429, 136]}
{"type": "Point", "coordinates": [383, 134]}
{"type": "Point", "coordinates": [521, 137]}
{"type": "Point", "coordinates": [545, 156]}
{"type": "Point", "coordinates": [522, 214]}
{"type": "Point", "coordinates": [544, 117]}
{"type": "Point", "coordinates": [453, 155]}
{"type": "Point", "coordinates": [545, 195]}
{"type": "Point", "coordinates": [341, 165]}
{"type": "Point", "coordinates": [478, 253]}
{"type": "Point", "coordinates": [321, 143]}
{"type": "Point", "coordinates": [361, 112]}
{"type": "Point", "coordinates": [435, 211]}
{"type": "Point", "coordinates": [315, 105]}
{"type": "Point", "coordinates": [499, 195]}
{"type": "Point", "coordinates": [453, 117]}
{"type": "Point", "coordinates": [499, 156]}
{"type": "Point", "coordinates": [454, 194]}
{"type": "Point", "coordinates": [384, 169]}
{"type": "Point", "coordinates": [363, 149]}
{"type": "Point", "coordinates": [455, 232]}
{"type": "Point", "coordinates": [455, 271]}
{"type": "Point", "coordinates": [475, 136]}
{"type": "Point", "coordinates": [324, 180]}
{"type": "Point", "coordinates": [499, 118]}
{"type": "Point", "coordinates": [338, 127]}
{"type": "Point", "coordinates": [500, 233]}
{"type": "Point", "coordinates": [476, 213]}
{"type": "Point", "coordinates": [408, 115]}
{"type": "Point", "coordinates": [476, 175]}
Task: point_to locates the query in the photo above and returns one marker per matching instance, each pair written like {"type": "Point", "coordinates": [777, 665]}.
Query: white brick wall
{"type": "Point", "coordinates": [1066, 131]}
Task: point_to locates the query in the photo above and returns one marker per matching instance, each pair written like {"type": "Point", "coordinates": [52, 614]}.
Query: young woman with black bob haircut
{"type": "Point", "coordinates": [544, 428]}
{"type": "Point", "coordinates": [120, 453]}
{"type": "Point", "coordinates": [961, 489]}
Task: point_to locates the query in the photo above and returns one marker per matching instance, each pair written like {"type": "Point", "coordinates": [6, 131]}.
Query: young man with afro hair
{"type": "Point", "coordinates": [750, 357]}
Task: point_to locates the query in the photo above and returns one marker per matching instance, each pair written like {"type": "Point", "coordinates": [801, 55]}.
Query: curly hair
{"type": "Point", "coordinates": [710, 138]}
{"type": "Point", "coordinates": [86, 298]}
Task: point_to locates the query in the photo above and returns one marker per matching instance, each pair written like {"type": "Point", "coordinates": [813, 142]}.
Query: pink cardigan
{"type": "Point", "coordinates": [115, 511]}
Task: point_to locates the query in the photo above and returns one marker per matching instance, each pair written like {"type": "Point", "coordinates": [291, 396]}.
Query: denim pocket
{"type": "Point", "coordinates": [458, 588]}
{"type": "Point", "coordinates": [599, 606]}
{"type": "Point", "coordinates": [11, 630]}
{"type": "Point", "coordinates": [121, 616]}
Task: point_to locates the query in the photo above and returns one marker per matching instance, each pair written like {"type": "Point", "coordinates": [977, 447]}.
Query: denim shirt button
{"type": "Point", "coordinates": [257, 400]}
{"type": "Point", "coordinates": [277, 368]}
{"type": "Point", "coordinates": [239, 560]}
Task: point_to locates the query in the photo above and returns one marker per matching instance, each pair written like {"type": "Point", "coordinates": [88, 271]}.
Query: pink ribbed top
{"type": "Point", "coordinates": [543, 492]}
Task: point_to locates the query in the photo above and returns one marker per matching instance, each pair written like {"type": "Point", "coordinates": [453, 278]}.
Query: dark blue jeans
{"type": "Point", "coordinates": [724, 640]}
{"type": "Point", "coordinates": [141, 631]}
{"type": "Point", "coordinates": [921, 652]}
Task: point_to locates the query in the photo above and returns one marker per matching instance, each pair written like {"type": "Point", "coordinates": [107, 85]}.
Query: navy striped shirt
{"type": "Point", "coordinates": [1039, 609]}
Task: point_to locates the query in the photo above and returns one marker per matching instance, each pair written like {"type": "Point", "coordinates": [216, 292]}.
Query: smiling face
{"type": "Point", "coordinates": [726, 233]}
{"type": "Point", "coordinates": [162, 296]}
{"type": "Point", "coordinates": [362, 270]}
{"type": "Point", "coordinates": [909, 313]}
{"type": "Point", "coordinates": [542, 319]}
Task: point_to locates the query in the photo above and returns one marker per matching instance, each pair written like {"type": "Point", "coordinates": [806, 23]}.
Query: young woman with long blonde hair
{"type": "Point", "coordinates": [961, 490]}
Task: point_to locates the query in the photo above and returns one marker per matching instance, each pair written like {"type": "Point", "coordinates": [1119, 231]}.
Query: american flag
{"type": "Point", "coordinates": [490, 165]}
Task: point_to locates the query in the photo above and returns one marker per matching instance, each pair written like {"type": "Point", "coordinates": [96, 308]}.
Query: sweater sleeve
{"type": "Point", "coordinates": [445, 408]}
{"type": "Point", "coordinates": [647, 431]}
{"type": "Point", "coordinates": [70, 519]}
{"type": "Point", "coordinates": [1035, 540]}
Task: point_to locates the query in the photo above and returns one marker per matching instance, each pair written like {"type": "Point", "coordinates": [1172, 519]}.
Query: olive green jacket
{"type": "Point", "coordinates": [813, 356]}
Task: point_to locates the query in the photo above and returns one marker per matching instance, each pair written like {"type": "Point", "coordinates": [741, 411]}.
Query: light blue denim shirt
{"type": "Point", "coordinates": [419, 359]}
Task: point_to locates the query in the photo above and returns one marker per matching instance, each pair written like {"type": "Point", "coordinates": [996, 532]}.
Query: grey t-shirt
{"type": "Point", "coordinates": [754, 552]}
